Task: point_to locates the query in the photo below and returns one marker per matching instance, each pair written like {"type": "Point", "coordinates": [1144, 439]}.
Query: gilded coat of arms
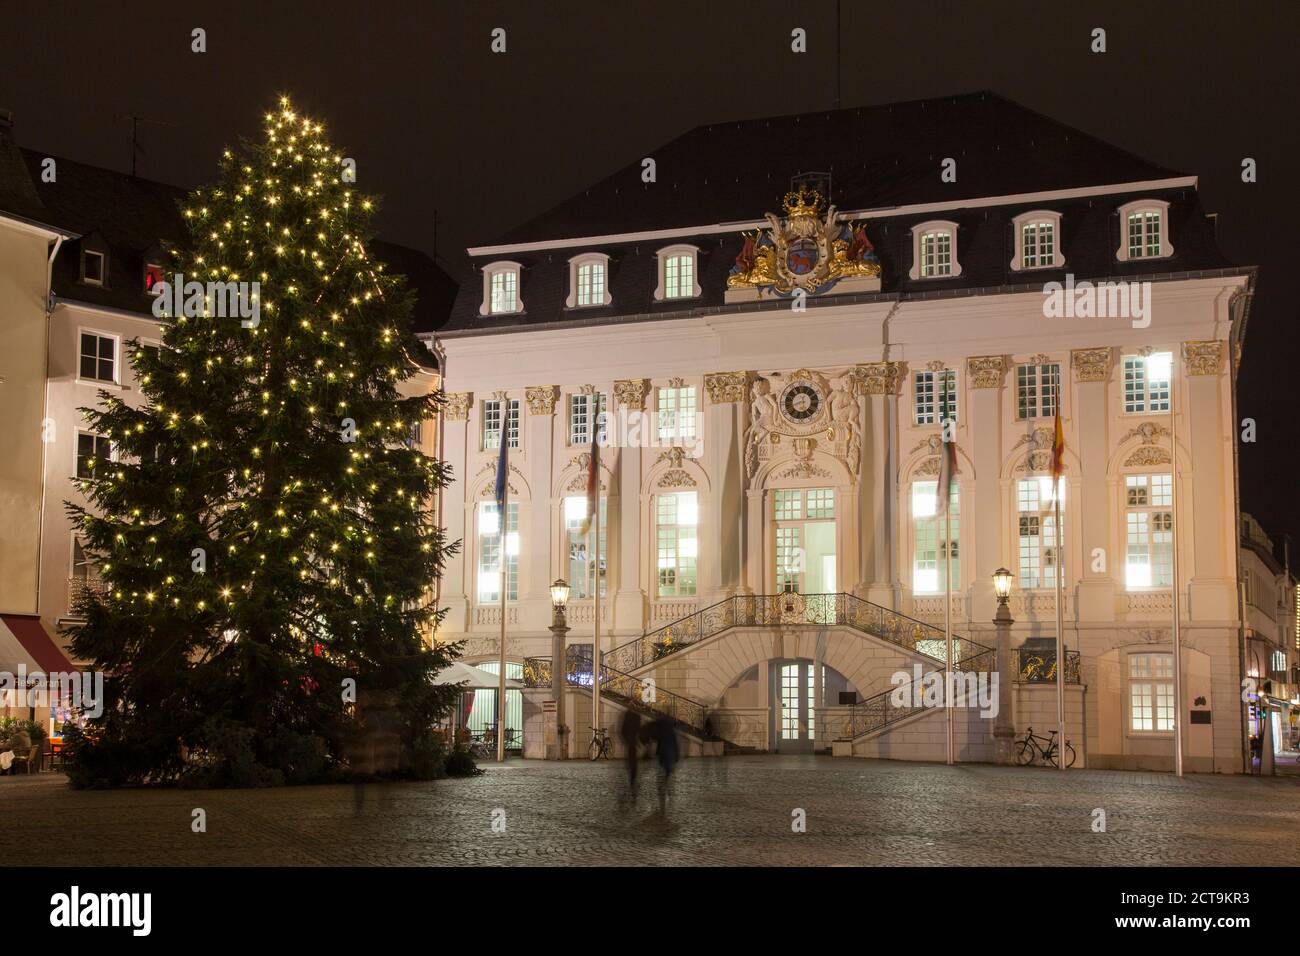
{"type": "Point", "coordinates": [808, 249]}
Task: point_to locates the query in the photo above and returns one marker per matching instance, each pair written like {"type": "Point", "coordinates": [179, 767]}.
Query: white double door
{"type": "Point", "coordinates": [795, 692]}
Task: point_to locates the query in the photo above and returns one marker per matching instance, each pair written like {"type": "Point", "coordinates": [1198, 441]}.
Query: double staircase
{"type": "Point", "coordinates": [623, 669]}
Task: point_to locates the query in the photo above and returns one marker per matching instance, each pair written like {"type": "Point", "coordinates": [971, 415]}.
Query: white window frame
{"type": "Point", "coordinates": [919, 232]}
{"type": "Point", "coordinates": [1153, 681]}
{"type": "Point", "coordinates": [117, 357]}
{"type": "Point", "coordinates": [1037, 217]}
{"type": "Point", "coordinates": [936, 400]}
{"type": "Point", "coordinates": [103, 266]}
{"type": "Point", "coordinates": [1141, 518]}
{"type": "Point", "coordinates": [576, 264]}
{"type": "Point", "coordinates": [1044, 396]}
{"type": "Point", "coordinates": [573, 511]}
{"type": "Point", "coordinates": [512, 555]}
{"type": "Point", "coordinates": [1151, 402]}
{"type": "Point", "coordinates": [509, 415]}
{"type": "Point", "coordinates": [929, 525]}
{"type": "Point", "coordinates": [76, 451]}
{"type": "Point", "coordinates": [498, 268]}
{"type": "Point", "coordinates": [686, 425]}
{"type": "Point", "coordinates": [582, 436]}
{"type": "Point", "coordinates": [90, 564]}
{"type": "Point", "coordinates": [1044, 513]}
{"type": "Point", "coordinates": [676, 538]}
{"type": "Point", "coordinates": [1138, 207]}
{"type": "Point", "coordinates": [671, 252]}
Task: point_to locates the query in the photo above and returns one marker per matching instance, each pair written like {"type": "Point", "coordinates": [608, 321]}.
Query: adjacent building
{"type": "Point", "coordinates": [81, 248]}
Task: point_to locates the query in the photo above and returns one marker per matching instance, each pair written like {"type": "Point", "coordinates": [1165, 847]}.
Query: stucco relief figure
{"type": "Point", "coordinates": [762, 416]}
{"type": "Point", "coordinates": [844, 413]}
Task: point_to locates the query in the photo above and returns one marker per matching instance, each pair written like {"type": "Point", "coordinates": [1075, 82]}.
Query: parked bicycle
{"type": "Point", "coordinates": [1031, 748]}
{"type": "Point", "coordinates": [601, 745]}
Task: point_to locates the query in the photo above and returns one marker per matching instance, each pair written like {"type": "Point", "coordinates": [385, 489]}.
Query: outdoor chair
{"type": "Point", "coordinates": [28, 760]}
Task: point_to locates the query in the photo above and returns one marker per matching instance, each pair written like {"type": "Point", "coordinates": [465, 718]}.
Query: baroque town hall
{"type": "Point", "coordinates": [771, 321]}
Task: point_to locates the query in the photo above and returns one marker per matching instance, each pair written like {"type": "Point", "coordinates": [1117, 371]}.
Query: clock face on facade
{"type": "Point", "coordinates": [800, 402]}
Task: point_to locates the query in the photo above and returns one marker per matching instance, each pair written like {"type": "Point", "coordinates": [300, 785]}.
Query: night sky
{"type": "Point", "coordinates": [438, 122]}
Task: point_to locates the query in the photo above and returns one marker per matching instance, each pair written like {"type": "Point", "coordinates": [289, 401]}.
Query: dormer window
{"type": "Point", "coordinates": [153, 275]}
{"type": "Point", "coordinates": [1038, 241]}
{"type": "Point", "coordinates": [934, 251]}
{"type": "Point", "coordinates": [501, 289]}
{"type": "Point", "coordinates": [588, 281]}
{"type": "Point", "coordinates": [1144, 230]}
{"type": "Point", "coordinates": [678, 273]}
{"type": "Point", "coordinates": [94, 266]}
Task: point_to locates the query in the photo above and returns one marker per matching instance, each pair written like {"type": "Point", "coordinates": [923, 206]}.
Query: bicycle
{"type": "Point", "coordinates": [1031, 749]}
{"type": "Point", "coordinates": [601, 745]}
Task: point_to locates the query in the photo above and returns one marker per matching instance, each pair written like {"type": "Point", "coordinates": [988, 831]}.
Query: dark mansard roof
{"type": "Point", "coordinates": [879, 158]}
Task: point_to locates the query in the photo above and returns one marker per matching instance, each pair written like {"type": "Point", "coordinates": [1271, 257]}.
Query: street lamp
{"type": "Point", "coordinates": [1004, 732]}
{"type": "Point", "coordinates": [1002, 584]}
{"type": "Point", "coordinates": [559, 595]}
{"type": "Point", "coordinates": [559, 628]}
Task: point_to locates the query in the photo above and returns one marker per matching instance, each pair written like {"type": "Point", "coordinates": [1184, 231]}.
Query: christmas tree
{"type": "Point", "coordinates": [265, 532]}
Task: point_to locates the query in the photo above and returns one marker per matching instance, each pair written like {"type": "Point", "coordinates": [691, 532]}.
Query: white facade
{"type": "Point", "coordinates": [863, 443]}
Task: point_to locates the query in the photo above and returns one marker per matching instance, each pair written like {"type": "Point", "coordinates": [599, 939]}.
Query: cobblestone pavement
{"type": "Point", "coordinates": [735, 810]}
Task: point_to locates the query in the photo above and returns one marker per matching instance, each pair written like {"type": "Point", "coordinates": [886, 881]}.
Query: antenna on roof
{"type": "Point", "coordinates": [837, 55]}
{"type": "Point", "coordinates": [136, 148]}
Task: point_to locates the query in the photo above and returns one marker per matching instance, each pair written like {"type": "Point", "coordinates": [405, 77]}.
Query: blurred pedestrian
{"type": "Point", "coordinates": [630, 731]}
{"type": "Point", "coordinates": [667, 752]}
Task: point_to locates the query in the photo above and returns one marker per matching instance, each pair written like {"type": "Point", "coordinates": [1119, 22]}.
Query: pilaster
{"type": "Point", "coordinates": [1090, 371]}
{"type": "Point", "coordinates": [725, 523]}
{"type": "Point", "coordinates": [1201, 428]}
{"type": "Point", "coordinates": [979, 537]}
{"type": "Point", "coordinates": [537, 547]}
{"type": "Point", "coordinates": [630, 600]}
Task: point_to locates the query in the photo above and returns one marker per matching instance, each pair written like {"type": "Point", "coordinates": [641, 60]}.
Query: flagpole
{"type": "Point", "coordinates": [502, 496]}
{"type": "Point", "coordinates": [946, 492]}
{"type": "Point", "coordinates": [947, 616]}
{"type": "Point", "coordinates": [595, 641]}
{"type": "Point", "coordinates": [1059, 534]}
{"type": "Point", "coordinates": [1173, 534]}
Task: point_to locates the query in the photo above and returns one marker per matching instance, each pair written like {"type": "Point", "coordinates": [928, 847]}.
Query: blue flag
{"type": "Point", "coordinates": [502, 470]}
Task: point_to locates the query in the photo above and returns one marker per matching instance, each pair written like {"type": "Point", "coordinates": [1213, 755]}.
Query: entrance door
{"type": "Point", "coordinates": [804, 550]}
{"type": "Point", "coordinates": [794, 695]}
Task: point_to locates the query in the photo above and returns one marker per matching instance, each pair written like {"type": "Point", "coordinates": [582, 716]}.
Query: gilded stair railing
{"type": "Point", "coordinates": [771, 610]}
{"type": "Point", "coordinates": [628, 690]}
{"type": "Point", "coordinates": [879, 711]}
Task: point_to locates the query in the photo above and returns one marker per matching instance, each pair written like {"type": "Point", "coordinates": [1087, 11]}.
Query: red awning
{"type": "Point", "coordinates": [31, 635]}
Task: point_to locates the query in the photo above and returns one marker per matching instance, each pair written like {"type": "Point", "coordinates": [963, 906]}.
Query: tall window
{"type": "Point", "coordinates": [677, 539]}
{"type": "Point", "coordinates": [489, 552]}
{"type": "Point", "coordinates": [91, 449]}
{"type": "Point", "coordinates": [676, 412]}
{"type": "Point", "coordinates": [505, 291]}
{"type": "Point", "coordinates": [582, 410]}
{"type": "Point", "coordinates": [98, 357]}
{"type": "Point", "coordinates": [936, 254]}
{"type": "Point", "coordinates": [679, 276]}
{"type": "Point", "coordinates": [935, 397]}
{"type": "Point", "coordinates": [1151, 692]}
{"type": "Point", "coordinates": [582, 564]}
{"type": "Point", "coordinates": [1039, 548]}
{"type": "Point", "coordinates": [591, 283]}
{"type": "Point", "coordinates": [931, 544]}
{"type": "Point", "coordinates": [1038, 244]}
{"type": "Point", "coordinates": [1149, 531]}
{"type": "Point", "coordinates": [1146, 382]}
{"type": "Point", "coordinates": [1036, 389]}
{"type": "Point", "coordinates": [83, 567]}
{"type": "Point", "coordinates": [492, 411]}
{"type": "Point", "coordinates": [1143, 234]}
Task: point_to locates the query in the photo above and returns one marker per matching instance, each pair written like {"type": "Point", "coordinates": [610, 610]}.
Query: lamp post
{"type": "Point", "coordinates": [1004, 732]}
{"type": "Point", "coordinates": [559, 628]}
